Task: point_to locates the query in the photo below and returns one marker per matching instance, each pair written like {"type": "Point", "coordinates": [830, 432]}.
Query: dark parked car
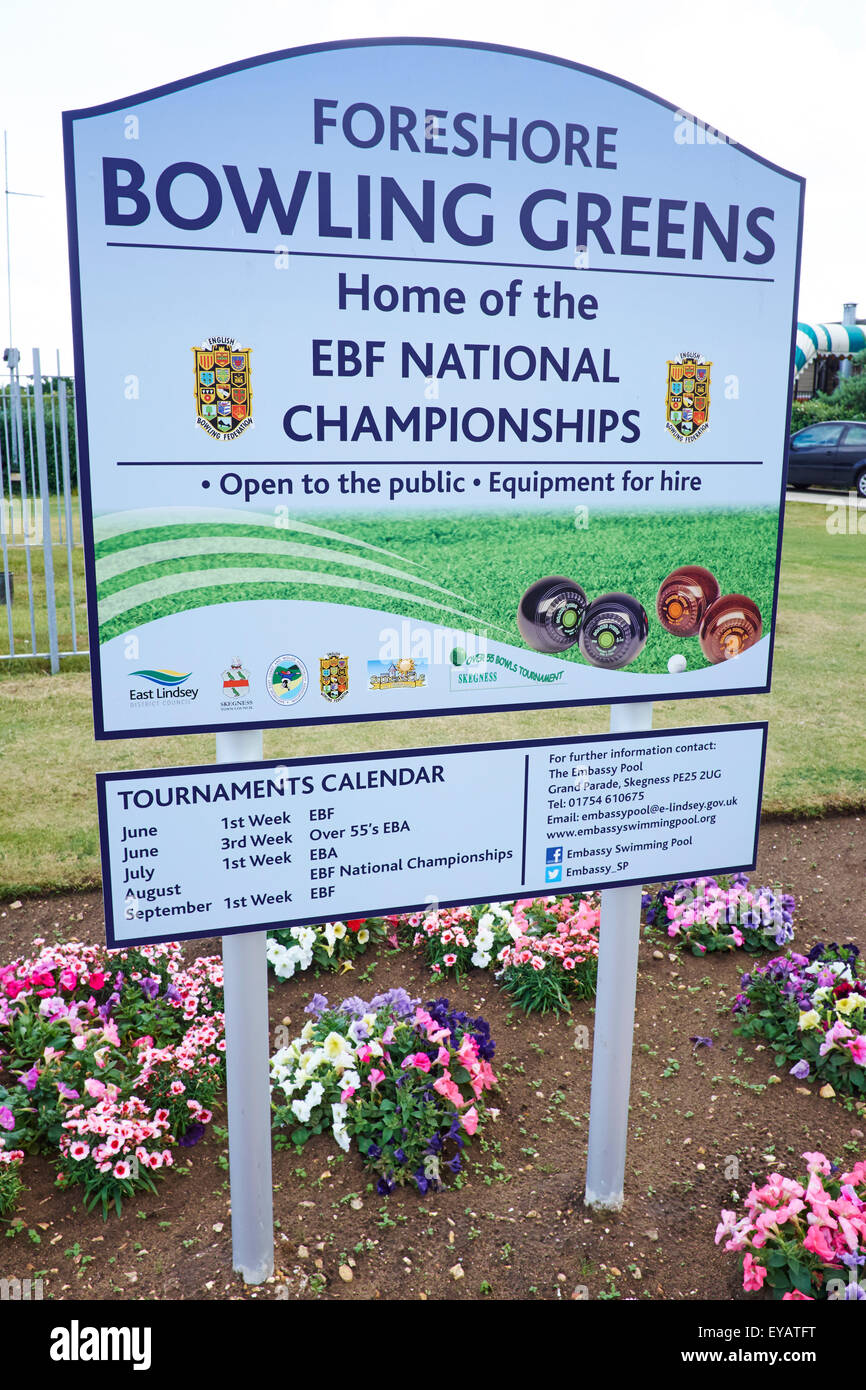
{"type": "Point", "coordinates": [831, 455]}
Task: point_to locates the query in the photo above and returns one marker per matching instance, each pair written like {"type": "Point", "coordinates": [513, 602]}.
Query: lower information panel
{"type": "Point", "coordinates": [207, 851]}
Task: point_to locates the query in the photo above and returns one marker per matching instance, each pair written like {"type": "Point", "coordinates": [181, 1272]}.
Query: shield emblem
{"type": "Point", "coordinates": [334, 676]}
{"type": "Point", "coordinates": [687, 403]}
{"type": "Point", "coordinates": [223, 389]}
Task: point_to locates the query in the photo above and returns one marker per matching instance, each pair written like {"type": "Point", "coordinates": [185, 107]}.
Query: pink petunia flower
{"type": "Point", "coordinates": [469, 1121]}
{"type": "Point", "coordinates": [753, 1275]}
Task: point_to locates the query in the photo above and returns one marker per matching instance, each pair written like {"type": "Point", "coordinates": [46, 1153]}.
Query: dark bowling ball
{"type": "Point", "coordinates": [614, 630]}
{"type": "Point", "coordinates": [550, 614]}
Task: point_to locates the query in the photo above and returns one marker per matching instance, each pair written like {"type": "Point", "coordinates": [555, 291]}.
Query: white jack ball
{"type": "Point", "coordinates": [676, 664]}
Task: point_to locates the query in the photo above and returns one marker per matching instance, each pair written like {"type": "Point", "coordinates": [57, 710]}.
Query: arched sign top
{"type": "Point", "coordinates": [397, 41]}
{"type": "Point", "coordinates": [414, 369]}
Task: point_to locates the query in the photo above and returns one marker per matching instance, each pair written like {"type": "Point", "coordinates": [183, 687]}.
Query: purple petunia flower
{"type": "Point", "coordinates": [800, 1069]}
{"type": "Point", "coordinates": [396, 999]}
{"type": "Point", "coordinates": [29, 1078]}
{"type": "Point", "coordinates": [192, 1136]}
{"type": "Point", "coordinates": [317, 1005]}
{"type": "Point", "coordinates": [149, 987]}
{"type": "Point", "coordinates": [353, 1006]}
{"type": "Point", "coordinates": [105, 1010]}
{"type": "Point", "coordinates": [173, 994]}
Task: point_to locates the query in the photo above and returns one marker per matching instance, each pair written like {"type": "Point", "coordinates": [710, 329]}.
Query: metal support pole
{"type": "Point", "coordinates": [45, 491]}
{"type": "Point", "coordinates": [849, 318]}
{"type": "Point", "coordinates": [245, 972]}
{"type": "Point", "coordinates": [619, 937]}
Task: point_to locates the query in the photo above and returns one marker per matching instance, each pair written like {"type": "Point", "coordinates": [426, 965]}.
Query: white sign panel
{"type": "Point", "coordinates": [191, 852]}
{"type": "Point", "coordinates": [418, 376]}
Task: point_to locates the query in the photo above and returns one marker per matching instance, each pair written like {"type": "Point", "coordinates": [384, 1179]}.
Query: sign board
{"type": "Point", "coordinates": [193, 851]}
{"type": "Point", "coordinates": [394, 355]}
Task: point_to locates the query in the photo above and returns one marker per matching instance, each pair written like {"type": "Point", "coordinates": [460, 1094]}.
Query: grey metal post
{"type": "Point", "coordinates": [245, 972]}
{"type": "Point", "coordinates": [613, 1033]}
{"type": "Point", "coordinates": [849, 317]}
{"type": "Point", "coordinates": [18, 428]}
{"type": "Point", "coordinates": [67, 499]}
{"type": "Point", "coordinates": [47, 537]}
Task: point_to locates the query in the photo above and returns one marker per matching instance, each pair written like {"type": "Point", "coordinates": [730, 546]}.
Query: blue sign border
{"type": "Point", "coordinates": [83, 453]}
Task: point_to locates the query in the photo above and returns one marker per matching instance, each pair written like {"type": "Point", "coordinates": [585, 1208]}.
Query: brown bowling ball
{"type": "Point", "coordinates": [731, 625]}
{"type": "Point", "coordinates": [684, 598]}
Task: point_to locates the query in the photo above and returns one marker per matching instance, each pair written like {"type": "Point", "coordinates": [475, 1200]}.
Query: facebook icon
{"type": "Point", "coordinates": [553, 864]}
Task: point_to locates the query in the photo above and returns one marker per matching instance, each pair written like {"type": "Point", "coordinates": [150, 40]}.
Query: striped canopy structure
{"type": "Point", "coordinates": [838, 338]}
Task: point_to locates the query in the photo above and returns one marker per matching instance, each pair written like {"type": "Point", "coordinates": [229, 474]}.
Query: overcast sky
{"type": "Point", "coordinates": [782, 78]}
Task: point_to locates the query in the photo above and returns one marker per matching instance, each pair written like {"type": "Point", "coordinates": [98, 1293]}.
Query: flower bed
{"type": "Point", "coordinates": [403, 1082]}
{"type": "Point", "coordinates": [546, 948]}
{"type": "Point", "coordinates": [328, 945]}
{"type": "Point", "coordinates": [116, 1058]}
{"type": "Point", "coordinates": [708, 914]}
{"type": "Point", "coordinates": [812, 1010]}
{"type": "Point", "coordinates": [805, 1238]}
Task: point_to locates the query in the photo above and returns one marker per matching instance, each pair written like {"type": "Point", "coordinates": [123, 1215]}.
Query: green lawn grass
{"type": "Point", "coordinates": [482, 563]}
{"type": "Point", "coordinates": [69, 596]}
{"type": "Point", "coordinates": [816, 759]}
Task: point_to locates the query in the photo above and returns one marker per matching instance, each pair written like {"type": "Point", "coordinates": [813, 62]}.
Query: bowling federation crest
{"type": "Point", "coordinates": [223, 390]}
{"type": "Point", "coordinates": [687, 400]}
{"type": "Point", "coordinates": [334, 676]}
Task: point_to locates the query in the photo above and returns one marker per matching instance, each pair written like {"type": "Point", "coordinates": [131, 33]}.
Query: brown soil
{"type": "Point", "coordinates": [517, 1227]}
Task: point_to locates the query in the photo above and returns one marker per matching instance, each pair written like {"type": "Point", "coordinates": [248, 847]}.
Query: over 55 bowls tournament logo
{"type": "Point", "coordinates": [223, 390]}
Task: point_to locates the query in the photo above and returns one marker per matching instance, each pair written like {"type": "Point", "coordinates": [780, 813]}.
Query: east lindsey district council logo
{"type": "Point", "coordinates": [687, 400]}
{"type": "Point", "coordinates": [223, 391]}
